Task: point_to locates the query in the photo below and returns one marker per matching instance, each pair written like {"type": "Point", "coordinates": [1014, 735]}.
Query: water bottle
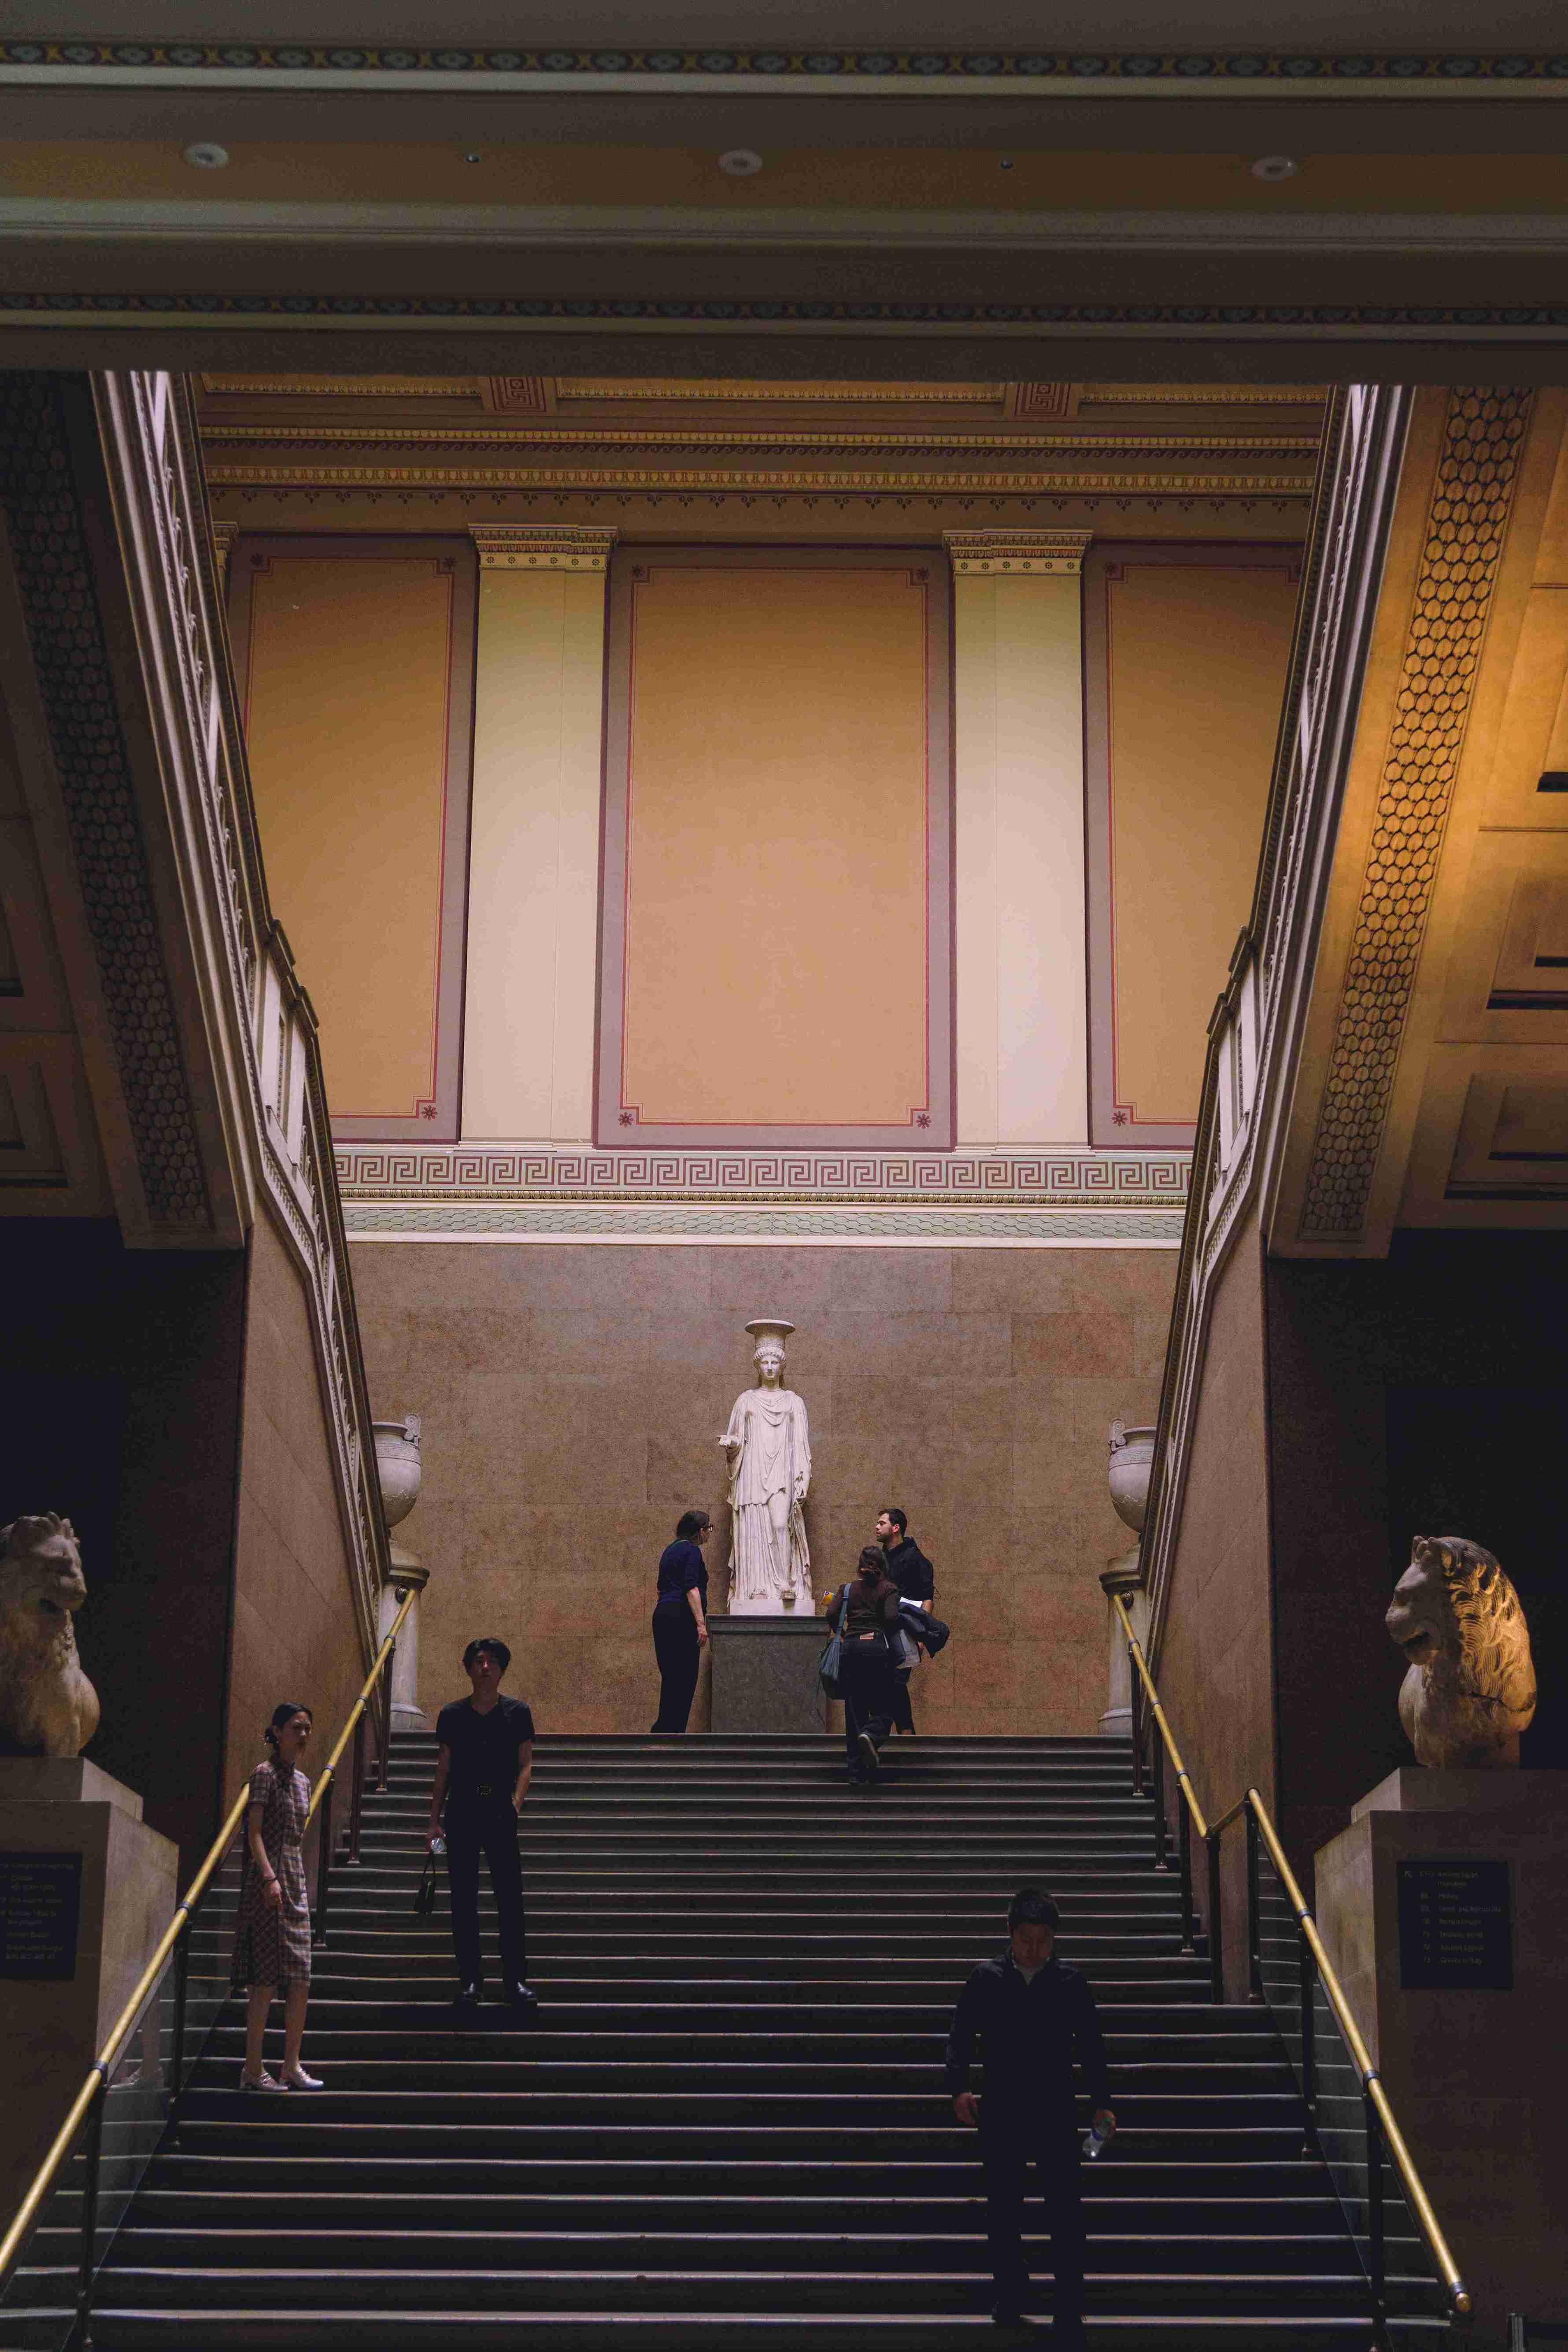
{"type": "Point", "coordinates": [1096, 2143]}
{"type": "Point", "coordinates": [438, 1846]}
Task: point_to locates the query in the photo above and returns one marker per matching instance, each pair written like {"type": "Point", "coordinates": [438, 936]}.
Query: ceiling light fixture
{"type": "Point", "coordinates": [740, 162]}
{"type": "Point", "coordinates": [1006, 163]}
{"type": "Point", "coordinates": [1275, 167]}
{"type": "Point", "coordinates": [207, 155]}
{"type": "Point", "coordinates": [473, 158]}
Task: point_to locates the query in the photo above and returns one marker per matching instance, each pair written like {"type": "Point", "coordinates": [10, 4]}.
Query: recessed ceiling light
{"type": "Point", "coordinates": [473, 158]}
{"type": "Point", "coordinates": [1006, 163]}
{"type": "Point", "coordinates": [740, 162]}
{"type": "Point", "coordinates": [207, 155]}
{"type": "Point", "coordinates": [1275, 167]}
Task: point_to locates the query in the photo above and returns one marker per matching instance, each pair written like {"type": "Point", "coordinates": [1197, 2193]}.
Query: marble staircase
{"type": "Point", "coordinates": [726, 2126]}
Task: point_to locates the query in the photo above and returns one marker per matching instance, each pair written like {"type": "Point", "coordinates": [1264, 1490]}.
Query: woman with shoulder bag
{"type": "Point", "coordinates": [865, 1614]}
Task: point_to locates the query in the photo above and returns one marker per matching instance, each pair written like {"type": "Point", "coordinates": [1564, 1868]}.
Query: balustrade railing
{"type": "Point", "coordinates": [1349, 2120]}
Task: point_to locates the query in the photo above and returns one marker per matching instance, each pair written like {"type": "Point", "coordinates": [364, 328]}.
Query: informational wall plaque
{"type": "Point", "coordinates": [1456, 1927]}
{"type": "Point", "coordinates": [40, 1911]}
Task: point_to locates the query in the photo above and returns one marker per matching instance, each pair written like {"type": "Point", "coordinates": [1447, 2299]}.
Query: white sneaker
{"type": "Point", "coordinates": [296, 2079]}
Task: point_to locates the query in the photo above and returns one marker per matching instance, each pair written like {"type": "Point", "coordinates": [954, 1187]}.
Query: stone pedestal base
{"type": "Point", "coordinates": [1478, 2078]}
{"type": "Point", "coordinates": [53, 2024]}
{"type": "Point", "coordinates": [765, 1674]}
{"type": "Point", "coordinates": [407, 1712]}
{"type": "Point", "coordinates": [1120, 1578]}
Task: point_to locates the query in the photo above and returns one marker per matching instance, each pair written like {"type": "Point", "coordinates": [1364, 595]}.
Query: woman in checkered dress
{"type": "Point", "coordinates": [272, 1931]}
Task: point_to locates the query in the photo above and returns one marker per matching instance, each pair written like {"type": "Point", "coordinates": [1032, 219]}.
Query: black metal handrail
{"type": "Point", "coordinates": [82, 2130]}
{"type": "Point", "coordinates": [1314, 1970]}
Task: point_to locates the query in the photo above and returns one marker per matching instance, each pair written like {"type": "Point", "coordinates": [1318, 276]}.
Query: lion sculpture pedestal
{"type": "Point", "coordinates": [1445, 1882]}
{"type": "Point", "coordinates": [90, 1890]}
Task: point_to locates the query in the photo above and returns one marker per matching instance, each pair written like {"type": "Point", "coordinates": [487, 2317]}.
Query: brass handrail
{"type": "Point", "coordinates": [1372, 2084]}
{"type": "Point", "coordinates": [1371, 2081]}
{"type": "Point", "coordinates": [96, 2078]}
{"type": "Point", "coordinates": [328, 1773]}
{"type": "Point", "coordinates": [1184, 1779]}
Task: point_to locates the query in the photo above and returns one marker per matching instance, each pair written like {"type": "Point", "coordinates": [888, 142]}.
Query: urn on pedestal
{"type": "Point", "coordinates": [398, 1468]}
{"type": "Point", "coordinates": [1132, 1463]}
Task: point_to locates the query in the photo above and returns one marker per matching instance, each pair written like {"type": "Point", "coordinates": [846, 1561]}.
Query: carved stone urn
{"type": "Point", "coordinates": [397, 1463]}
{"type": "Point", "coordinates": [1132, 1463]}
{"type": "Point", "coordinates": [398, 1467]}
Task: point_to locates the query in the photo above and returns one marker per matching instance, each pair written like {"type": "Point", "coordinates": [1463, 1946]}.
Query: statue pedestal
{"type": "Point", "coordinates": [407, 1712]}
{"type": "Point", "coordinates": [88, 1891]}
{"type": "Point", "coordinates": [1119, 1581]}
{"type": "Point", "coordinates": [1444, 1908]}
{"type": "Point", "coordinates": [765, 1674]}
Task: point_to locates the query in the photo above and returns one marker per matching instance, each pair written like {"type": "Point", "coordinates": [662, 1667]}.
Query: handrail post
{"type": "Point", "coordinates": [1307, 1976]}
{"type": "Point", "coordinates": [182, 1981]}
{"type": "Point", "coordinates": [1216, 1930]}
{"type": "Point", "coordinates": [1185, 1850]}
{"type": "Point", "coordinates": [356, 1791]}
{"type": "Point", "coordinates": [1157, 1759]}
{"type": "Point", "coordinates": [1254, 1917]}
{"type": "Point", "coordinates": [386, 1717]}
{"type": "Point", "coordinates": [324, 1863]}
{"type": "Point", "coordinates": [94, 2152]}
{"type": "Point", "coordinates": [1136, 1682]}
{"type": "Point", "coordinates": [1374, 2236]}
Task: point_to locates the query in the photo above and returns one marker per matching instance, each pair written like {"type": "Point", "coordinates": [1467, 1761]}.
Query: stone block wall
{"type": "Point", "coordinates": [573, 1395]}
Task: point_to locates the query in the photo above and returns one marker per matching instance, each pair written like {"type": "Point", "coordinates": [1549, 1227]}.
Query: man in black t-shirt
{"type": "Point", "coordinates": [916, 1580]}
{"type": "Point", "coordinates": [484, 1760]}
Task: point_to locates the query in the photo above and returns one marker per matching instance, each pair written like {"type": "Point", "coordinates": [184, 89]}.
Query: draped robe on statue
{"type": "Point", "coordinates": [769, 1473]}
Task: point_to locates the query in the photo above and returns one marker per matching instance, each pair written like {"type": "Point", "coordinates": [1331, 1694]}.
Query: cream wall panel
{"type": "Point", "coordinates": [528, 1063]}
{"type": "Point", "coordinates": [1023, 1075]}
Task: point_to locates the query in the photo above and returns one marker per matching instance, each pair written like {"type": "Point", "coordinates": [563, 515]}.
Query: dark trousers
{"type": "Point", "coordinates": [1008, 2146]}
{"type": "Point", "coordinates": [903, 1714]}
{"type": "Point", "coordinates": [489, 1828]}
{"type": "Point", "coordinates": [679, 1652]}
{"type": "Point", "coordinates": [866, 1686]}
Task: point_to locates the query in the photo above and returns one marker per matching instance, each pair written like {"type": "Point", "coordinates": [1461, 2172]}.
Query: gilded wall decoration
{"type": "Point", "coordinates": [1468, 522]}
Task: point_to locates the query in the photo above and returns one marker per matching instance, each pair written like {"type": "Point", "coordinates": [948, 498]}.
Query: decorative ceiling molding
{"type": "Point", "coordinates": [1254, 75]}
{"type": "Point", "coordinates": [1043, 399]}
{"type": "Point", "coordinates": [530, 547]}
{"type": "Point", "coordinates": [699, 228]}
{"type": "Point", "coordinates": [1016, 554]}
{"type": "Point", "coordinates": [588, 435]}
{"type": "Point", "coordinates": [812, 395]}
{"type": "Point", "coordinates": [1325, 324]}
{"type": "Point", "coordinates": [516, 395]}
{"type": "Point", "coordinates": [340, 387]}
{"type": "Point", "coordinates": [881, 482]}
{"type": "Point", "coordinates": [1468, 520]}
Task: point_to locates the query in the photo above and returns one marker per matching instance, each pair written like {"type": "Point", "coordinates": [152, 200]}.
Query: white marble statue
{"type": "Point", "coordinates": [768, 1448]}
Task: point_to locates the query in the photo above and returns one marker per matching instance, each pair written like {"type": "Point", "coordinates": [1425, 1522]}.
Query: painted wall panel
{"type": "Point", "coordinates": [1187, 651]}
{"type": "Point", "coordinates": [1021, 1024]}
{"type": "Point", "coordinates": [528, 1055]}
{"type": "Point", "coordinates": [777, 809]}
{"type": "Point", "coordinates": [356, 666]}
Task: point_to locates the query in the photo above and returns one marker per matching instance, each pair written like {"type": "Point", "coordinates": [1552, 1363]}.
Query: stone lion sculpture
{"type": "Point", "coordinates": [1470, 1690]}
{"type": "Point", "coordinates": [47, 1706]}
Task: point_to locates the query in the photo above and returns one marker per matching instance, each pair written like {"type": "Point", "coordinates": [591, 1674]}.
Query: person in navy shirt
{"type": "Point", "coordinates": [680, 1619]}
{"type": "Point", "coordinates": [1033, 2017]}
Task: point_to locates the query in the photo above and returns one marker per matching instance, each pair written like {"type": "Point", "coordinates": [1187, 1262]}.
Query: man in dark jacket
{"type": "Point", "coordinates": [916, 1580]}
{"type": "Point", "coordinates": [1033, 2016]}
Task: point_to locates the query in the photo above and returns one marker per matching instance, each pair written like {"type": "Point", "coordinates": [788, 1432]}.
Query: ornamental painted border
{"type": "Point", "coordinates": [1250, 69]}
{"type": "Point", "coordinates": [499, 1173]}
{"type": "Point", "coordinates": [841, 1227]}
